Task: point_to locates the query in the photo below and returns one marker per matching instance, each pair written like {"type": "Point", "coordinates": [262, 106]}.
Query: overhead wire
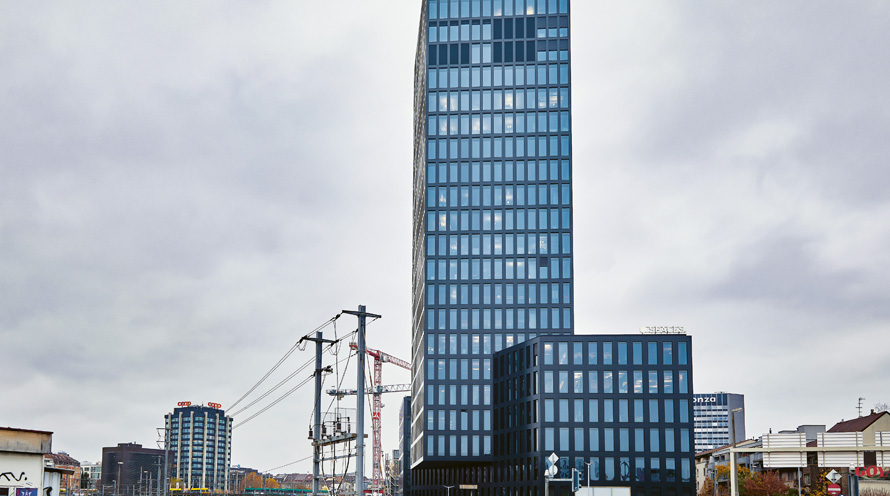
{"type": "Point", "coordinates": [276, 401]}
{"type": "Point", "coordinates": [270, 405]}
{"type": "Point", "coordinates": [275, 387]}
{"type": "Point", "coordinates": [275, 367]}
{"type": "Point", "coordinates": [286, 464]}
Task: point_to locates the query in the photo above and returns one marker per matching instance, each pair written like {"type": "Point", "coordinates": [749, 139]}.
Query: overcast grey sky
{"type": "Point", "coordinates": [187, 188]}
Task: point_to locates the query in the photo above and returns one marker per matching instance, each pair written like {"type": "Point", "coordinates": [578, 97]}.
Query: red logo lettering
{"type": "Point", "coordinates": [870, 471]}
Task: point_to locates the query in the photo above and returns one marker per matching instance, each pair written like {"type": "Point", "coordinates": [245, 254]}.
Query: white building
{"type": "Point", "coordinates": [25, 470]}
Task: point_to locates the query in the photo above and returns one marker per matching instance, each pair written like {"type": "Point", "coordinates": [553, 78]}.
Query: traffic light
{"type": "Point", "coordinates": [576, 480]}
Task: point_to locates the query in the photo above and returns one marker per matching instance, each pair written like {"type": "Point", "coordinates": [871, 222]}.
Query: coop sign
{"type": "Point", "coordinates": [872, 471]}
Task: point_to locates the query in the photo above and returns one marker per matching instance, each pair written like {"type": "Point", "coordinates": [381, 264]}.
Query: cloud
{"type": "Point", "coordinates": [189, 188]}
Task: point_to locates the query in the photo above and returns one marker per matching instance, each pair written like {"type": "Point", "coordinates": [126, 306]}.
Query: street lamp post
{"type": "Point", "coordinates": [733, 473]}
{"type": "Point", "coordinates": [448, 490]}
{"type": "Point", "coordinates": [118, 483]}
{"type": "Point", "coordinates": [588, 477]}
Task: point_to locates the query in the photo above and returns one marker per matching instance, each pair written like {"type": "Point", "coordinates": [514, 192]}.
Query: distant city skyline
{"type": "Point", "coordinates": [189, 188]}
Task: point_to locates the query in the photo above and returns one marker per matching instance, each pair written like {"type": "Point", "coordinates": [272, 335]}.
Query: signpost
{"type": "Point", "coordinates": [551, 471]}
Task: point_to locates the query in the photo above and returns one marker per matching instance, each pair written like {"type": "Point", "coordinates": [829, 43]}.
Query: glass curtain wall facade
{"type": "Point", "coordinates": [712, 420]}
{"type": "Point", "coordinates": [492, 231]}
{"type": "Point", "coordinates": [620, 405]}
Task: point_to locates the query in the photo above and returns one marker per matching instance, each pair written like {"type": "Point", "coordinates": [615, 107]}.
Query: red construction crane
{"type": "Point", "coordinates": [377, 389]}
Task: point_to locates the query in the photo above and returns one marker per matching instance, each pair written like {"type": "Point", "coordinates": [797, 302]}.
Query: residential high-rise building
{"type": "Point", "coordinates": [492, 250]}
{"type": "Point", "coordinates": [712, 414]}
{"type": "Point", "coordinates": [200, 446]}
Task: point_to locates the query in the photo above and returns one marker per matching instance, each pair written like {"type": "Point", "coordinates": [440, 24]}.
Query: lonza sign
{"type": "Point", "coordinates": [189, 403]}
{"type": "Point", "coordinates": [872, 471]}
{"type": "Point", "coordinates": [705, 399]}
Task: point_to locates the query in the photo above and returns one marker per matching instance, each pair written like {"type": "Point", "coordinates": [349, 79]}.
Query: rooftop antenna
{"type": "Point", "coordinates": [859, 407]}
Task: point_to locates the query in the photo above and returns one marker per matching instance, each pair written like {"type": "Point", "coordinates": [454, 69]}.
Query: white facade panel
{"type": "Point", "coordinates": [883, 439]}
{"type": "Point", "coordinates": [784, 460]}
{"type": "Point", "coordinates": [796, 440]}
{"type": "Point", "coordinates": [838, 439]}
{"type": "Point", "coordinates": [841, 459]}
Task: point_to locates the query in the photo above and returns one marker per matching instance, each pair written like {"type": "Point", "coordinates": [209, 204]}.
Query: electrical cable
{"type": "Point", "coordinates": [275, 387]}
{"type": "Point", "coordinates": [270, 405]}
{"type": "Point", "coordinates": [286, 464]}
{"type": "Point", "coordinates": [283, 381]}
{"type": "Point", "coordinates": [275, 367]}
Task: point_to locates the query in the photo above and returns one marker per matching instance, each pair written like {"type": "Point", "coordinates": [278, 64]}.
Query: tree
{"type": "Point", "coordinates": [272, 483]}
{"type": "Point", "coordinates": [707, 487]}
{"type": "Point", "coordinates": [882, 407]}
{"type": "Point", "coordinates": [764, 484]}
{"type": "Point", "coordinates": [253, 479]}
{"type": "Point", "coordinates": [819, 487]}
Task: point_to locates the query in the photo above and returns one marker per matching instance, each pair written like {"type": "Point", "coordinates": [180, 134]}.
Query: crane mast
{"type": "Point", "coordinates": [376, 390]}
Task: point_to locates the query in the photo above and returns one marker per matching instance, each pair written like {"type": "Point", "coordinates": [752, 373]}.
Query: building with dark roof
{"type": "Point", "coordinates": [616, 408]}
{"type": "Point", "coordinates": [70, 482]}
{"type": "Point", "coordinates": [129, 468]}
{"type": "Point", "coordinates": [404, 486]}
{"type": "Point", "coordinates": [867, 425]}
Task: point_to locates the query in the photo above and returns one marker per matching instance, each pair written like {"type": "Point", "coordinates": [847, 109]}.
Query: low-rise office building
{"type": "Point", "coordinates": [93, 474]}
{"type": "Point", "coordinates": [404, 486]}
{"type": "Point", "coordinates": [130, 468]}
{"type": "Point", "coordinates": [616, 408]}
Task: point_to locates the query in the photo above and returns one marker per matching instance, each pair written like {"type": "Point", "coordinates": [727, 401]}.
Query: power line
{"type": "Point", "coordinates": [285, 395]}
{"type": "Point", "coordinates": [270, 405]}
{"type": "Point", "coordinates": [275, 367]}
{"type": "Point", "coordinates": [275, 387]}
{"type": "Point", "coordinates": [269, 471]}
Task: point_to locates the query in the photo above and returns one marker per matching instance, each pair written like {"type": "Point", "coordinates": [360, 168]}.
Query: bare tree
{"type": "Point", "coordinates": [882, 407]}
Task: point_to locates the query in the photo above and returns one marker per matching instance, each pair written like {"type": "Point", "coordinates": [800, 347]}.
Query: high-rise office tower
{"type": "Point", "coordinates": [492, 232]}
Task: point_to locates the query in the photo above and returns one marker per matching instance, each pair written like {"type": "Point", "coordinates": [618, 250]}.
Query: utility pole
{"type": "Point", "coordinates": [360, 399]}
{"type": "Point", "coordinates": [166, 462]}
{"type": "Point", "coordinates": [316, 430]}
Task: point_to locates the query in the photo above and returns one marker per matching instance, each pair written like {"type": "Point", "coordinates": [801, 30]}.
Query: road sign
{"type": "Point", "coordinates": [834, 489]}
{"type": "Point", "coordinates": [553, 458]}
{"type": "Point", "coordinates": [833, 476]}
{"type": "Point", "coordinates": [468, 486]}
{"type": "Point", "coordinates": [553, 470]}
